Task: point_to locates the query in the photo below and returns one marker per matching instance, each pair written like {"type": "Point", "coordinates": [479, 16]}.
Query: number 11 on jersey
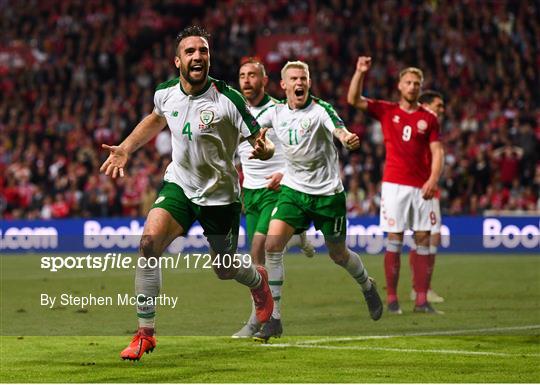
{"type": "Point", "coordinates": [291, 136]}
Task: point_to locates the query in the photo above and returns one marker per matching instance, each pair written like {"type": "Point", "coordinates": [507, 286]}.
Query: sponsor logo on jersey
{"type": "Point", "coordinates": [422, 126]}
{"type": "Point", "coordinates": [395, 119]}
{"type": "Point", "coordinates": [174, 114]}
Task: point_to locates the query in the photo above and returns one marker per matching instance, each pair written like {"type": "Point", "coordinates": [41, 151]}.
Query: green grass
{"type": "Point", "coordinates": [325, 323]}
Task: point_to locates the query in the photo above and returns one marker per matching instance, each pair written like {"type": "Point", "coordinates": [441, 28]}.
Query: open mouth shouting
{"type": "Point", "coordinates": [247, 89]}
{"type": "Point", "coordinates": [196, 69]}
{"type": "Point", "coordinates": [299, 92]}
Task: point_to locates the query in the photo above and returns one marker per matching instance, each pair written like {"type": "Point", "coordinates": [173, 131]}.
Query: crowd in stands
{"type": "Point", "coordinates": [74, 75]}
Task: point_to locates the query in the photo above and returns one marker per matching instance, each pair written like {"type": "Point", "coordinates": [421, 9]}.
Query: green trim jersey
{"type": "Point", "coordinates": [205, 132]}
{"type": "Point", "coordinates": [256, 170]}
{"type": "Point", "coordinates": [306, 136]}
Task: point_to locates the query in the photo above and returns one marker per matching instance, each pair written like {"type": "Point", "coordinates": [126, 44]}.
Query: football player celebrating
{"type": "Point", "coordinates": [411, 135]}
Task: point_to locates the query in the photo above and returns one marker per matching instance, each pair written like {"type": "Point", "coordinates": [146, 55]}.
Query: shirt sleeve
{"type": "Point", "coordinates": [377, 108]}
{"type": "Point", "coordinates": [158, 96]}
{"type": "Point", "coordinates": [330, 118]}
{"type": "Point", "coordinates": [239, 114]}
{"type": "Point", "coordinates": [264, 118]}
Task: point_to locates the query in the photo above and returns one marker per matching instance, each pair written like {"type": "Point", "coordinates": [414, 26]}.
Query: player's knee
{"type": "Point", "coordinates": [422, 238]}
{"type": "Point", "coordinates": [273, 245]}
{"type": "Point", "coordinates": [339, 258]}
{"type": "Point", "coordinates": [147, 246]}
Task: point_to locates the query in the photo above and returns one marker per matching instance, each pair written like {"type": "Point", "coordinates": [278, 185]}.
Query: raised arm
{"type": "Point", "coordinates": [437, 161]}
{"type": "Point", "coordinates": [149, 127]}
{"type": "Point", "coordinates": [354, 95]}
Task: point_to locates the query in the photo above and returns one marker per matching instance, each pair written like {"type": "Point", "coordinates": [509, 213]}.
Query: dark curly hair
{"type": "Point", "coordinates": [192, 30]}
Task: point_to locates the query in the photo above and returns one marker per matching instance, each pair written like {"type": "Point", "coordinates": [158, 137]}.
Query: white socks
{"type": "Point", "coordinates": [356, 269]}
{"type": "Point", "coordinates": [147, 286]}
{"type": "Point", "coordinates": [274, 266]}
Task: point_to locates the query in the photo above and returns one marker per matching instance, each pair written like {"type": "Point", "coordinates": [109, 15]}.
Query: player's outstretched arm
{"type": "Point", "coordinates": [354, 95]}
{"type": "Point", "coordinates": [149, 127]}
{"type": "Point", "coordinates": [263, 148]}
{"type": "Point", "coordinates": [348, 139]}
{"type": "Point", "coordinates": [437, 161]}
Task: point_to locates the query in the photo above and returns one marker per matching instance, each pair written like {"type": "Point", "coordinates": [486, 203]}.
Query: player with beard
{"type": "Point", "coordinates": [260, 188]}
{"type": "Point", "coordinates": [311, 188]}
{"type": "Point", "coordinates": [206, 119]}
{"type": "Point", "coordinates": [414, 159]}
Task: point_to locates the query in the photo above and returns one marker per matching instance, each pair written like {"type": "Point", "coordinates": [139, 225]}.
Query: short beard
{"type": "Point", "coordinates": [411, 101]}
{"type": "Point", "coordinates": [254, 96]}
{"type": "Point", "coordinates": [194, 82]}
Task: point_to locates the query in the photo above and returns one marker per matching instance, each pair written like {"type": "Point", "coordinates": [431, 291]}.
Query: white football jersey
{"type": "Point", "coordinates": [306, 137]}
{"type": "Point", "coordinates": [256, 170]}
{"type": "Point", "coordinates": [205, 132]}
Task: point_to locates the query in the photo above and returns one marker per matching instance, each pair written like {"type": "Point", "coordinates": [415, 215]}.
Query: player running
{"type": "Point", "coordinates": [311, 188]}
{"type": "Point", "coordinates": [206, 119]}
{"type": "Point", "coordinates": [411, 135]}
{"type": "Point", "coordinates": [434, 102]}
{"type": "Point", "coordinates": [261, 183]}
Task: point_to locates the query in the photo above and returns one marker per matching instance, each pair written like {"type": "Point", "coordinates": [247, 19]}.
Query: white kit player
{"type": "Point", "coordinates": [206, 119]}
{"type": "Point", "coordinates": [311, 188]}
{"type": "Point", "coordinates": [261, 184]}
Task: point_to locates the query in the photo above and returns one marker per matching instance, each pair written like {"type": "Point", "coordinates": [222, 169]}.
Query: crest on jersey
{"type": "Point", "coordinates": [207, 117]}
{"type": "Point", "coordinates": [305, 123]}
{"type": "Point", "coordinates": [422, 125]}
{"type": "Point", "coordinates": [395, 119]}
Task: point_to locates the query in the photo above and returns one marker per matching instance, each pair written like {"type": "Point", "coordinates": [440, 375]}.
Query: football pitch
{"type": "Point", "coordinates": [490, 331]}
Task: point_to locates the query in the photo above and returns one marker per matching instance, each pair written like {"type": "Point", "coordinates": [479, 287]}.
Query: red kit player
{"type": "Point", "coordinates": [411, 135]}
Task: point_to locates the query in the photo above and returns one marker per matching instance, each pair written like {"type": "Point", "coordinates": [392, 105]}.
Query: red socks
{"type": "Point", "coordinates": [412, 262]}
{"type": "Point", "coordinates": [392, 263]}
{"type": "Point", "coordinates": [431, 263]}
{"type": "Point", "coordinates": [422, 274]}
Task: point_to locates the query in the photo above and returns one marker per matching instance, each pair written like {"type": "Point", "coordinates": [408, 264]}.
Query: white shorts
{"type": "Point", "coordinates": [402, 208]}
{"type": "Point", "coordinates": [436, 228]}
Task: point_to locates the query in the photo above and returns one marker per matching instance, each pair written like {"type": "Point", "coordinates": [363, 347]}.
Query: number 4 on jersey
{"type": "Point", "coordinates": [187, 130]}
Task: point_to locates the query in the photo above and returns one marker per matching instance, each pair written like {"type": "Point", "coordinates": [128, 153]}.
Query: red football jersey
{"type": "Point", "coordinates": [407, 136]}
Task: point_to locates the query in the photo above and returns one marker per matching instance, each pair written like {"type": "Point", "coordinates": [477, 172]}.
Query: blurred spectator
{"type": "Point", "coordinates": [78, 74]}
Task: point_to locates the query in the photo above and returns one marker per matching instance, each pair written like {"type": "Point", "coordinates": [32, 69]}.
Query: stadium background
{"type": "Point", "coordinates": [78, 74]}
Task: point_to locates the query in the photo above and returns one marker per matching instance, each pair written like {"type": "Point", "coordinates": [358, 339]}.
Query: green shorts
{"type": "Point", "coordinates": [298, 209]}
{"type": "Point", "coordinates": [258, 204]}
{"type": "Point", "coordinates": [220, 223]}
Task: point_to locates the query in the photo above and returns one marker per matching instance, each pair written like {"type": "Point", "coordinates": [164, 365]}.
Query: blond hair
{"type": "Point", "coordinates": [295, 64]}
{"type": "Point", "coordinates": [412, 70]}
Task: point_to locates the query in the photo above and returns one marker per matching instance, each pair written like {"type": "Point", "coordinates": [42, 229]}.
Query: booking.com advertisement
{"type": "Point", "coordinates": [458, 234]}
{"type": "Point", "coordinates": [78, 277]}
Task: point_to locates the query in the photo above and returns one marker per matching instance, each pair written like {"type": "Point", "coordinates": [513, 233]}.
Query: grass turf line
{"type": "Point", "coordinates": [320, 300]}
